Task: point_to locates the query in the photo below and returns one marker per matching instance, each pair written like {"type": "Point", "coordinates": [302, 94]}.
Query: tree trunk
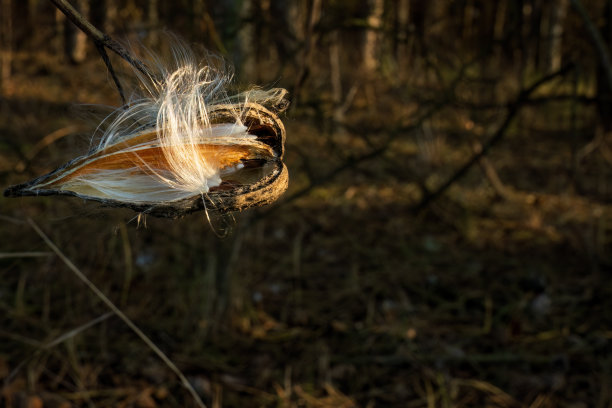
{"type": "Point", "coordinates": [486, 20]}
{"type": "Point", "coordinates": [468, 19]}
{"type": "Point", "coordinates": [281, 13]}
{"type": "Point", "coordinates": [247, 42]}
{"type": "Point", "coordinates": [59, 39]}
{"type": "Point", "coordinates": [371, 44]}
{"type": "Point", "coordinates": [111, 14]}
{"type": "Point", "coordinates": [513, 32]}
{"type": "Point", "coordinates": [534, 35]}
{"type": "Point", "coordinates": [311, 38]}
{"type": "Point", "coordinates": [500, 19]}
{"type": "Point", "coordinates": [104, 15]}
{"type": "Point", "coordinates": [153, 23]}
{"type": "Point", "coordinates": [402, 36]}
{"type": "Point", "coordinates": [75, 39]}
{"type": "Point", "coordinates": [197, 21]}
{"type": "Point", "coordinates": [335, 58]}
{"type": "Point", "coordinates": [32, 6]}
{"type": "Point", "coordinates": [556, 18]}
{"type": "Point", "coordinates": [6, 44]}
{"type": "Point", "coordinates": [419, 19]}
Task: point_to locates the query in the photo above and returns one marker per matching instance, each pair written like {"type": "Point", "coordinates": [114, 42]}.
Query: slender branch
{"type": "Point", "coordinates": [491, 174]}
{"type": "Point", "coordinates": [99, 37]}
{"type": "Point", "coordinates": [118, 312]}
{"type": "Point", "coordinates": [76, 331]}
{"type": "Point", "coordinates": [108, 64]}
{"type": "Point", "coordinates": [514, 108]}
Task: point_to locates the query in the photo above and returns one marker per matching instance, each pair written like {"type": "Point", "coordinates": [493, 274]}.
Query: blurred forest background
{"type": "Point", "coordinates": [446, 240]}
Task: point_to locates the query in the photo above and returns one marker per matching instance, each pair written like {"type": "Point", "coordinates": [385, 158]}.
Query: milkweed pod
{"type": "Point", "coordinates": [136, 173]}
{"type": "Point", "coordinates": [184, 146]}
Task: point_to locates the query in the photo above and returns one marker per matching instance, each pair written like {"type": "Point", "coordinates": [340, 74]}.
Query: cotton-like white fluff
{"type": "Point", "coordinates": [174, 102]}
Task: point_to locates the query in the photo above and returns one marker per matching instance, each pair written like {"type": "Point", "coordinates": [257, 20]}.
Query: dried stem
{"type": "Point", "coordinates": [119, 313]}
{"type": "Point", "coordinates": [102, 40]}
{"type": "Point", "coordinates": [108, 64]}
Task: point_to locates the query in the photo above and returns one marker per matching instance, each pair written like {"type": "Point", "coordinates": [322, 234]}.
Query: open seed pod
{"type": "Point", "coordinates": [234, 162]}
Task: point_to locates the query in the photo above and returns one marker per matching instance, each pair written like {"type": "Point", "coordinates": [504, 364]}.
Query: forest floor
{"type": "Point", "coordinates": [498, 294]}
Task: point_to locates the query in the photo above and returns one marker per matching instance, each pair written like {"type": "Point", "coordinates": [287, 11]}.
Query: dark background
{"type": "Point", "coordinates": [402, 267]}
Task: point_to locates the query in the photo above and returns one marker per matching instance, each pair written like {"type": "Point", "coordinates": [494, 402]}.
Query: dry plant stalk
{"type": "Point", "coordinates": [117, 312]}
{"type": "Point", "coordinates": [182, 144]}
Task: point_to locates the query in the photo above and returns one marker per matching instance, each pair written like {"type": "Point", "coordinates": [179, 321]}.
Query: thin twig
{"type": "Point", "coordinates": [49, 345]}
{"type": "Point", "coordinates": [513, 109]}
{"type": "Point", "coordinates": [44, 142]}
{"type": "Point", "coordinates": [491, 174]}
{"type": "Point", "coordinates": [76, 331]}
{"type": "Point", "coordinates": [9, 255]}
{"type": "Point", "coordinates": [99, 37]}
{"type": "Point", "coordinates": [118, 312]}
{"type": "Point", "coordinates": [104, 55]}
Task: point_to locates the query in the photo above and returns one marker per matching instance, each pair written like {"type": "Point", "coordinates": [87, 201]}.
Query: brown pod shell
{"type": "Point", "coordinates": [260, 121]}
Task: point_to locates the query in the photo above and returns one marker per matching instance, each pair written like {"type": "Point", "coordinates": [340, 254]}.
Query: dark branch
{"type": "Point", "coordinates": [99, 37]}
{"type": "Point", "coordinates": [497, 136]}
{"type": "Point", "coordinates": [108, 64]}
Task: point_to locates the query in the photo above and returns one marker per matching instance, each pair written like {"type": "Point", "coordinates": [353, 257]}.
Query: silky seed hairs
{"type": "Point", "coordinates": [181, 144]}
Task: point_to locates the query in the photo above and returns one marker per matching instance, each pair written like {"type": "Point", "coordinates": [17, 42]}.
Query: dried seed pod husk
{"type": "Point", "coordinates": [259, 178]}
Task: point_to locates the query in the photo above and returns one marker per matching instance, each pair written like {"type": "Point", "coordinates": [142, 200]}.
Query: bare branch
{"type": "Point", "coordinates": [117, 312]}
{"type": "Point", "coordinates": [99, 37]}
{"type": "Point", "coordinates": [108, 64]}
{"type": "Point", "coordinates": [513, 109]}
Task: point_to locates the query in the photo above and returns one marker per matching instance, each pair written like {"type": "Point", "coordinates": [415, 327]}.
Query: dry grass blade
{"type": "Point", "coordinates": [9, 255]}
{"type": "Point", "coordinates": [48, 345]}
{"type": "Point", "coordinates": [119, 313]}
{"type": "Point", "coordinates": [77, 330]}
{"type": "Point", "coordinates": [44, 142]}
